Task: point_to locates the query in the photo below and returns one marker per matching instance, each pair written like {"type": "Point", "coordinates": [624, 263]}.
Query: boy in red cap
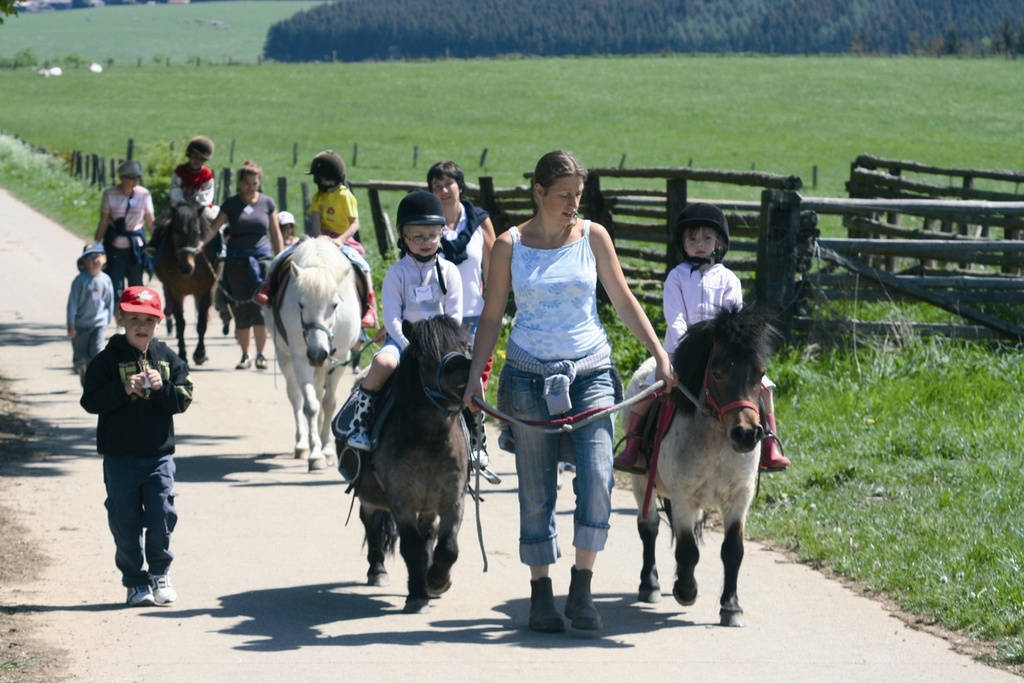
{"type": "Point", "coordinates": [136, 385]}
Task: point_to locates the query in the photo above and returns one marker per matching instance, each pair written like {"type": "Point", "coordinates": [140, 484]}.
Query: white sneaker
{"type": "Point", "coordinates": [163, 591]}
{"type": "Point", "coordinates": [140, 596]}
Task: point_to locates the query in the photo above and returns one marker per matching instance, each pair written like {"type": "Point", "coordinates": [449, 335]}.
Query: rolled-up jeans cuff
{"type": "Point", "coordinates": [539, 554]}
{"type": "Point", "coordinates": [590, 538]}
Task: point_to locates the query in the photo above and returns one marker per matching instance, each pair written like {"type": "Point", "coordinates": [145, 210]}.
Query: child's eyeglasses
{"type": "Point", "coordinates": [423, 239]}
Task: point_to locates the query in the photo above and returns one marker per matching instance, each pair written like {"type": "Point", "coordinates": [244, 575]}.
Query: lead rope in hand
{"type": "Point", "coordinates": [568, 424]}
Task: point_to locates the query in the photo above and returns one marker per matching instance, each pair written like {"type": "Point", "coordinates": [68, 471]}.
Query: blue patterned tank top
{"type": "Point", "coordinates": [556, 299]}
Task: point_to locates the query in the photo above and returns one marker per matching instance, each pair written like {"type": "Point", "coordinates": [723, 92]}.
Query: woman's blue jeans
{"type": "Point", "coordinates": [537, 456]}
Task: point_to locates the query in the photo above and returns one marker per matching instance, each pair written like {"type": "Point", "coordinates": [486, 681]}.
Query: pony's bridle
{"type": "Point", "coordinates": [717, 410]}
{"type": "Point", "coordinates": [436, 395]}
{"type": "Point", "coordinates": [308, 327]}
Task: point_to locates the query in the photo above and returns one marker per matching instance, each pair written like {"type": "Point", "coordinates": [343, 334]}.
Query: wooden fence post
{"type": "Point", "coordinates": [131, 149]}
{"type": "Point", "coordinates": [381, 224]}
{"type": "Point", "coordinates": [282, 193]}
{"type": "Point", "coordinates": [490, 203]}
{"type": "Point", "coordinates": [304, 186]}
{"type": "Point", "coordinates": [226, 181]}
{"type": "Point", "coordinates": [675, 202]}
{"type": "Point", "coordinates": [775, 279]}
{"type": "Point", "coordinates": [592, 204]}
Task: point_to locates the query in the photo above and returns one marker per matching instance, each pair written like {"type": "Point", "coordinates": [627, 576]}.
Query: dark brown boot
{"type": "Point", "coordinates": [580, 605]}
{"type": "Point", "coordinates": [544, 618]}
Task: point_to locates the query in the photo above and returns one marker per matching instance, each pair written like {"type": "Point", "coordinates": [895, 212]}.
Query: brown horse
{"type": "Point", "coordinates": [419, 468]}
{"type": "Point", "coordinates": [709, 455]}
{"type": "Point", "coordinates": [186, 270]}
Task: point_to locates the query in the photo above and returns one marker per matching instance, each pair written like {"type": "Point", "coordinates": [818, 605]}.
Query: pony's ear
{"type": "Point", "coordinates": [296, 269]}
{"type": "Point", "coordinates": [407, 329]}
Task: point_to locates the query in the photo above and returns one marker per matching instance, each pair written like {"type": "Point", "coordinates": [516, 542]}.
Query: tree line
{"type": "Point", "coordinates": [358, 30]}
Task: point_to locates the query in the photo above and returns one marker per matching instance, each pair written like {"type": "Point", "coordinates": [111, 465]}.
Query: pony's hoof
{"type": "Point", "coordinates": [436, 592]}
{"type": "Point", "coordinates": [732, 619]}
{"type": "Point", "coordinates": [416, 606]}
{"type": "Point", "coordinates": [317, 464]}
{"type": "Point", "coordinates": [302, 454]}
{"type": "Point", "coordinates": [686, 598]}
{"type": "Point", "coordinates": [199, 359]}
{"type": "Point", "coordinates": [378, 579]}
{"type": "Point", "coordinates": [650, 596]}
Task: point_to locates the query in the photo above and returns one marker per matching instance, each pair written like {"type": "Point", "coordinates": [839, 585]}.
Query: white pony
{"type": "Point", "coordinates": [316, 321]}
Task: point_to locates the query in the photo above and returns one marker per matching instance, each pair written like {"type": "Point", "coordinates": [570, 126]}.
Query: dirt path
{"type": "Point", "coordinates": [270, 576]}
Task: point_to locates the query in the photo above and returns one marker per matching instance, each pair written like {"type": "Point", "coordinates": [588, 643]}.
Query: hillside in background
{"type": "Point", "coordinates": [356, 30]}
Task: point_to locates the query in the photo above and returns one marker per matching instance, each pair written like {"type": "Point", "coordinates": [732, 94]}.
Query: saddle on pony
{"type": "Point", "coordinates": [351, 463]}
{"type": "Point", "coordinates": [277, 282]}
{"type": "Point", "coordinates": [650, 432]}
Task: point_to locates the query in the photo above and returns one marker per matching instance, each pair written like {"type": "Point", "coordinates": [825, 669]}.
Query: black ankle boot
{"type": "Point", "coordinates": [544, 618]}
{"type": "Point", "coordinates": [580, 605]}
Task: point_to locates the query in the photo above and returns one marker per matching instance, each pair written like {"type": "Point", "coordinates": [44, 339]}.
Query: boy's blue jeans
{"type": "Point", "coordinates": [537, 456]}
{"type": "Point", "coordinates": [140, 496]}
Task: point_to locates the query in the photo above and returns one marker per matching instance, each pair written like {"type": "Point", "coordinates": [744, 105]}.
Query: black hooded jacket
{"type": "Point", "coordinates": [135, 425]}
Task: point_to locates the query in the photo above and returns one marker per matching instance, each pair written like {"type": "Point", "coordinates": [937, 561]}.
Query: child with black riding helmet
{"type": "Point", "coordinates": [136, 386]}
{"type": "Point", "coordinates": [696, 290]}
{"type": "Point", "coordinates": [418, 286]}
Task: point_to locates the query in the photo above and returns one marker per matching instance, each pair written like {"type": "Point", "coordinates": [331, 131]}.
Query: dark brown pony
{"type": "Point", "coordinates": [185, 270]}
{"type": "Point", "coordinates": [709, 454]}
{"type": "Point", "coordinates": [419, 468]}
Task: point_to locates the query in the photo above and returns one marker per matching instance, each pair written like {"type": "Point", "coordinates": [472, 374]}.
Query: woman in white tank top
{"type": "Point", "coordinates": [558, 364]}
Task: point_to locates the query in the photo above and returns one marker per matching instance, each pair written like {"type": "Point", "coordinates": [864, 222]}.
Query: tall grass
{"type": "Point", "coordinates": [783, 115]}
{"type": "Point", "coordinates": [907, 477]}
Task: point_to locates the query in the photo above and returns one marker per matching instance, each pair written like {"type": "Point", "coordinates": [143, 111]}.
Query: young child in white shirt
{"type": "Point", "coordinates": [419, 286]}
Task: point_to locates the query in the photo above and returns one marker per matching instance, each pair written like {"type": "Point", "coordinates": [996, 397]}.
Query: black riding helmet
{"type": "Point", "coordinates": [201, 145]}
{"type": "Point", "coordinates": [328, 165]}
{"type": "Point", "coordinates": [701, 214]}
{"type": "Point", "coordinates": [420, 207]}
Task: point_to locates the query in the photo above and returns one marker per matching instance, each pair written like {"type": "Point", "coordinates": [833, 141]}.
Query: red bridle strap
{"type": "Point", "coordinates": [717, 410]}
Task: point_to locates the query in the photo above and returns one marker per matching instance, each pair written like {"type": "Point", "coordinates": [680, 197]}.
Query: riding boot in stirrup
{"type": "Point", "coordinates": [359, 428]}
{"type": "Point", "coordinates": [626, 460]}
{"type": "Point", "coordinates": [772, 457]}
{"type": "Point", "coordinates": [580, 605]}
{"type": "Point", "coordinates": [544, 618]}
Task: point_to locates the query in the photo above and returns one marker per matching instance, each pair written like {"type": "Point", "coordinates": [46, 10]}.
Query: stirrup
{"type": "Point", "coordinates": [350, 465]}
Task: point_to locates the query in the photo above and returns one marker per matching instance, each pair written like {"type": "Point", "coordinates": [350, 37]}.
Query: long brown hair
{"type": "Point", "coordinates": [555, 165]}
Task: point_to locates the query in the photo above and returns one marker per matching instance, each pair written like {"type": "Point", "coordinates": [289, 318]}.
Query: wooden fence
{"type": "Point", "coordinates": [963, 256]}
{"type": "Point", "coordinates": [946, 236]}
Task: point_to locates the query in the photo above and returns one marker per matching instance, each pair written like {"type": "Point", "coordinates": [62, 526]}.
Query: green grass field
{"type": "Point", "coordinates": [784, 115]}
{"type": "Point", "coordinates": [213, 31]}
{"type": "Point", "coordinates": [906, 474]}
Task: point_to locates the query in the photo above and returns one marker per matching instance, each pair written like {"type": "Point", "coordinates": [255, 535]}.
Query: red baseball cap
{"type": "Point", "coordinates": [142, 300]}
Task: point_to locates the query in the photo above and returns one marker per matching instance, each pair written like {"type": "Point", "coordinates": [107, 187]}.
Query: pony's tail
{"type": "Point", "coordinates": [384, 523]}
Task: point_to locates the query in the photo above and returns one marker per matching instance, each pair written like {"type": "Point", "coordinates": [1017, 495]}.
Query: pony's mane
{"type": "Point", "coordinates": [431, 338]}
{"type": "Point", "coordinates": [745, 332]}
{"type": "Point", "coordinates": [323, 267]}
